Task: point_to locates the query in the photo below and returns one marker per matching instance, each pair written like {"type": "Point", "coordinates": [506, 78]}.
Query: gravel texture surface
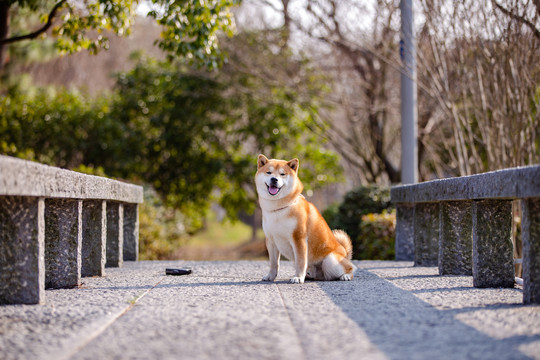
{"type": "Point", "coordinates": [391, 310]}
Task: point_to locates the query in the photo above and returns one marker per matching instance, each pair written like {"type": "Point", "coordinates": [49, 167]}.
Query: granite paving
{"type": "Point", "coordinates": [390, 310]}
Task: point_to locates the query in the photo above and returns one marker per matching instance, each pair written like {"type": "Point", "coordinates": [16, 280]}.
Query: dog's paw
{"type": "Point", "coordinates": [297, 280]}
{"type": "Point", "coordinates": [345, 277]}
{"type": "Point", "coordinates": [269, 277]}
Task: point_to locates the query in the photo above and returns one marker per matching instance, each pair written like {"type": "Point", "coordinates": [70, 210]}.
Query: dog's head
{"type": "Point", "coordinates": [276, 179]}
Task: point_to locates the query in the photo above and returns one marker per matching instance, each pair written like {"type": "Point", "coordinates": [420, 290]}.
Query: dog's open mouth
{"type": "Point", "coordinates": [273, 189]}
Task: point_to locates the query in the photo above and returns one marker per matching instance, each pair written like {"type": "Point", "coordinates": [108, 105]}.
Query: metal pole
{"type": "Point", "coordinates": [409, 115]}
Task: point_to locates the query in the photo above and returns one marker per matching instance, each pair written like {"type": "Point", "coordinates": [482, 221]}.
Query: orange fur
{"type": "Point", "coordinates": [294, 227]}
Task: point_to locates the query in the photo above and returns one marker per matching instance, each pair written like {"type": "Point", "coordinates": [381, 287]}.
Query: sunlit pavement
{"type": "Point", "coordinates": [390, 310]}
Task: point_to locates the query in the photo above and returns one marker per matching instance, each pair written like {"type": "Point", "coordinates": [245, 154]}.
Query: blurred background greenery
{"type": "Point", "coordinates": [181, 96]}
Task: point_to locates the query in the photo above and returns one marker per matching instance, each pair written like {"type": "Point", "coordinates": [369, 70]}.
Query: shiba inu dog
{"type": "Point", "coordinates": [294, 227]}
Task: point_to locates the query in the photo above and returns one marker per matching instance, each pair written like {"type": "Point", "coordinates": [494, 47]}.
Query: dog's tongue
{"type": "Point", "coordinates": [273, 190]}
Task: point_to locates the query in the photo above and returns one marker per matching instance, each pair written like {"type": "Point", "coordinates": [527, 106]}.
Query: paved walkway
{"type": "Point", "coordinates": [390, 310]}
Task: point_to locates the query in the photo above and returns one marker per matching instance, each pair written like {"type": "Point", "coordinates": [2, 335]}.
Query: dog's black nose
{"type": "Point", "coordinates": [273, 180]}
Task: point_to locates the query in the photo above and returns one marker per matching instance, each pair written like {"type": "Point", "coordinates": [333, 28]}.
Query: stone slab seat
{"type": "Point", "coordinates": [57, 225]}
{"type": "Point", "coordinates": [463, 225]}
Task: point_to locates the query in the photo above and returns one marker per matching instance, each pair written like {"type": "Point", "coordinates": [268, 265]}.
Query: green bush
{"type": "Point", "coordinates": [161, 229]}
{"type": "Point", "coordinates": [377, 237]}
{"type": "Point", "coordinates": [364, 215]}
{"type": "Point", "coordinates": [56, 127]}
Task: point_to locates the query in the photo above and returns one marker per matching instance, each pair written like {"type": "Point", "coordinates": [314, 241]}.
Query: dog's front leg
{"type": "Point", "coordinates": [300, 260]}
{"type": "Point", "coordinates": [273, 254]}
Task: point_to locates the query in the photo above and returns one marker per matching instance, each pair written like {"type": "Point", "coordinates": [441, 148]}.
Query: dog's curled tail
{"type": "Point", "coordinates": [345, 241]}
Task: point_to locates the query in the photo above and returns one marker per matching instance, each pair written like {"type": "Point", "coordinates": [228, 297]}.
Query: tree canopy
{"type": "Point", "coordinates": [190, 134]}
{"type": "Point", "coordinates": [190, 27]}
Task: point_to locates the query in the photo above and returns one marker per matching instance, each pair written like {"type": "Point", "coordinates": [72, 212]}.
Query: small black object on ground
{"type": "Point", "coordinates": [177, 271]}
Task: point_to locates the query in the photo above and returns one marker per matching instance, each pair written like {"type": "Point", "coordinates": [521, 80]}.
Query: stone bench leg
{"type": "Point", "coordinates": [94, 239]}
{"type": "Point", "coordinates": [22, 244]}
{"type": "Point", "coordinates": [530, 230]}
{"type": "Point", "coordinates": [493, 263]}
{"type": "Point", "coordinates": [455, 238]}
{"type": "Point", "coordinates": [404, 245]}
{"type": "Point", "coordinates": [426, 234]}
{"type": "Point", "coordinates": [131, 232]}
{"type": "Point", "coordinates": [63, 243]}
{"type": "Point", "coordinates": [115, 234]}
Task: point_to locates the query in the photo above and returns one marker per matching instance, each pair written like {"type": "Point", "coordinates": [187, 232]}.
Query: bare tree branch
{"type": "Point", "coordinates": [35, 34]}
{"type": "Point", "coordinates": [520, 19]}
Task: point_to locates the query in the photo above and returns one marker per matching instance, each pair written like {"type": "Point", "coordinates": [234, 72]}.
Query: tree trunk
{"type": "Point", "coordinates": [286, 25]}
{"type": "Point", "coordinates": [4, 29]}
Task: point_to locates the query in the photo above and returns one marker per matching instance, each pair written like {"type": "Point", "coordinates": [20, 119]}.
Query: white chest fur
{"type": "Point", "coordinates": [279, 228]}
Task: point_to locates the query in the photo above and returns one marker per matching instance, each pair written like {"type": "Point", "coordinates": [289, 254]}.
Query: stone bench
{"type": "Point", "coordinates": [58, 225]}
{"type": "Point", "coordinates": [464, 226]}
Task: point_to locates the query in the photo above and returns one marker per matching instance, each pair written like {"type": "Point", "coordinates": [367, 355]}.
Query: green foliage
{"type": "Point", "coordinates": [356, 203]}
{"type": "Point", "coordinates": [90, 170]}
{"type": "Point", "coordinates": [25, 52]}
{"type": "Point", "coordinates": [376, 239]}
{"type": "Point", "coordinates": [161, 229]}
{"type": "Point", "coordinates": [82, 25]}
{"type": "Point", "coordinates": [55, 127]}
{"type": "Point", "coordinates": [190, 27]}
{"type": "Point", "coordinates": [274, 97]}
{"type": "Point", "coordinates": [360, 216]}
{"type": "Point", "coordinates": [172, 121]}
{"type": "Point", "coordinates": [193, 136]}
{"type": "Point", "coordinates": [331, 215]}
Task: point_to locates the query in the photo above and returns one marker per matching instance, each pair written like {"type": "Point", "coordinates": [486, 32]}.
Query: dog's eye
{"type": "Point", "coordinates": [268, 172]}
{"type": "Point", "coordinates": [282, 174]}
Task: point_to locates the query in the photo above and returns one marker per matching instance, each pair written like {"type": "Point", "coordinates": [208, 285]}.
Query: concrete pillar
{"type": "Point", "coordinates": [530, 232]}
{"type": "Point", "coordinates": [404, 245]}
{"type": "Point", "coordinates": [94, 238]}
{"type": "Point", "coordinates": [63, 243]}
{"type": "Point", "coordinates": [426, 234]}
{"type": "Point", "coordinates": [115, 234]}
{"type": "Point", "coordinates": [493, 263]}
{"type": "Point", "coordinates": [131, 232]}
{"type": "Point", "coordinates": [455, 238]}
{"type": "Point", "coordinates": [22, 259]}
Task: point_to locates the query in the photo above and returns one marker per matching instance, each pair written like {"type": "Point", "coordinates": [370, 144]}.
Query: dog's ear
{"type": "Point", "coordinates": [261, 161]}
{"type": "Point", "coordinates": [293, 164]}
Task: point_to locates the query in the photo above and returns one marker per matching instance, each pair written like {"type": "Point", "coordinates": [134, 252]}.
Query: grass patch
{"type": "Point", "coordinates": [223, 241]}
{"type": "Point", "coordinates": [162, 236]}
{"type": "Point", "coordinates": [218, 233]}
